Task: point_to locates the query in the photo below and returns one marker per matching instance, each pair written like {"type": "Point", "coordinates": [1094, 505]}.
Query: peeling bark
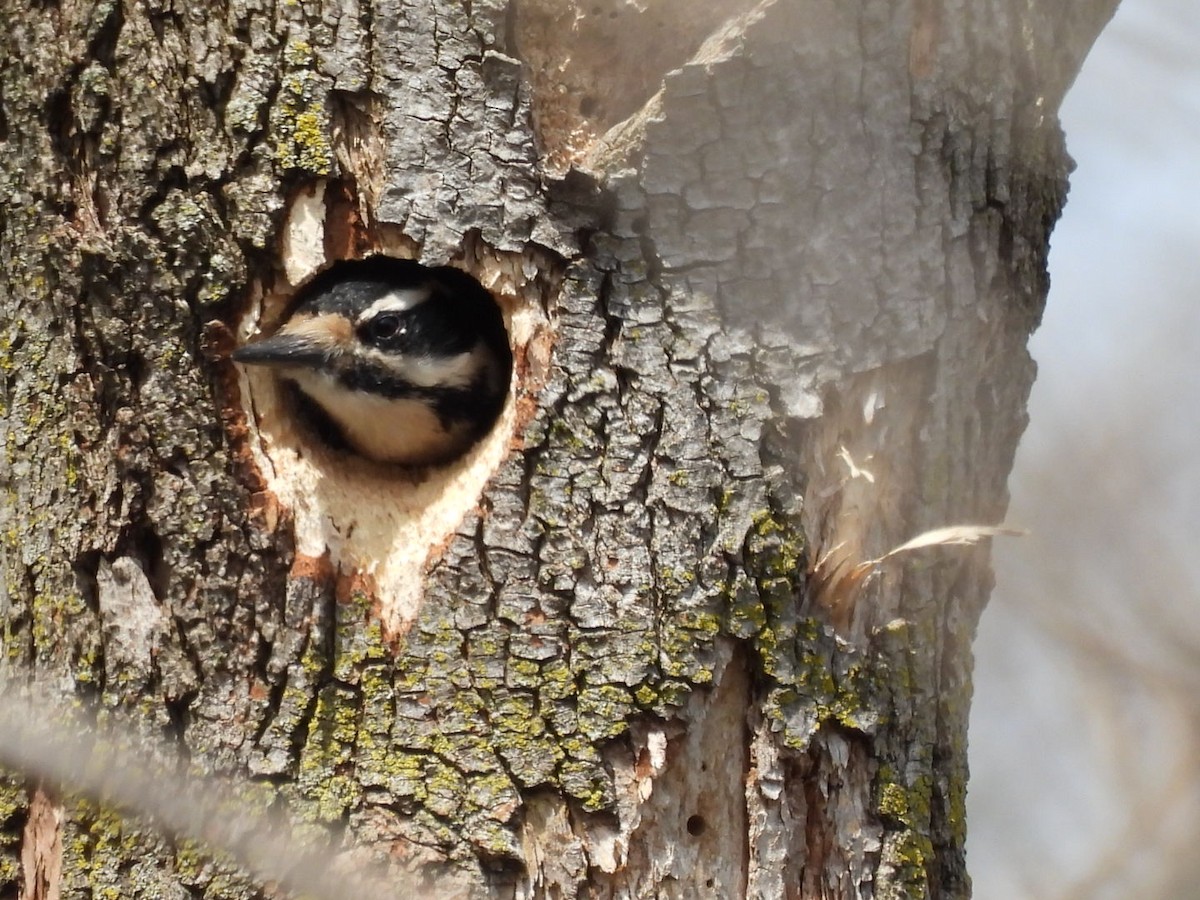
{"type": "Point", "coordinates": [41, 849]}
{"type": "Point", "coordinates": [769, 270]}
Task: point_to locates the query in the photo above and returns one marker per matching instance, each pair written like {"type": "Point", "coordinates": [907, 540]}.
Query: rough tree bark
{"type": "Point", "coordinates": [770, 268]}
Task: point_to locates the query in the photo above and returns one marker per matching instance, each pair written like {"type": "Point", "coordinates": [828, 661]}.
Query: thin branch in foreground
{"type": "Point", "coordinates": [40, 740]}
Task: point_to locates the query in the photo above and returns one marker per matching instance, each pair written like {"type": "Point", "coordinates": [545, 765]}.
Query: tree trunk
{"type": "Point", "coordinates": [769, 270]}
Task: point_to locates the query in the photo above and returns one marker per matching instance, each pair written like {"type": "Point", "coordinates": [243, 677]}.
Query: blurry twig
{"type": "Point", "coordinates": [42, 740]}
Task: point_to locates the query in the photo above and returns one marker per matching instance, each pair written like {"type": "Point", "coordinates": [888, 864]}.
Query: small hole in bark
{"type": "Point", "coordinates": [587, 105]}
{"type": "Point", "coordinates": [136, 368]}
{"type": "Point", "coordinates": [708, 882]}
{"type": "Point", "coordinates": [696, 825]}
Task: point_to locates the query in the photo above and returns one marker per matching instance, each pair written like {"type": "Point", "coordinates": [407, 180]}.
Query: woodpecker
{"type": "Point", "coordinates": [396, 361]}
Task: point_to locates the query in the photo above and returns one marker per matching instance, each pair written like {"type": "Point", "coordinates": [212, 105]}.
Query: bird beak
{"type": "Point", "coordinates": [308, 343]}
{"type": "Point", "coordinates": [284, 351]}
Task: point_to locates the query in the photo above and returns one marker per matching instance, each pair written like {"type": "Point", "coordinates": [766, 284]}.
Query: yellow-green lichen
{"type": "Point", "coordinates": [586, 783]}
{"type": "Point", "coordinates": [646, 696]}
{"type": "Point", "coordinates": [956, 808]}
{"type": "Point", "coordinates": [775, 549]}
{"type": "Point", "coordinates": [893, 802]}
{"type": "Point", "coordinates": [298, 53]}
{"type": "Point", "coordinates": [671, 694]}
{"type": "Point", "coordinates": [557, 682]}
{"type": "Point", "coordinates": [907, 812]}
{"type": "Point", "coordinates": [299, 118]}
{"type": "Point", "coordinates": [330, 745]}
{"type": "Point", "coordinates": [562, 434]}
{"type": "Point", "coordinates": [746, 615]}
{"type": "Point", "coordinates": [13, 801]}
{"type": "Point", "coordinates": [515, 714]}
{"type": "Point", "coordinates": [675, 581]}
{"type": "Point", "coordinates": [909, 853]}
{"type": "Point", "coordinates": [604, 711]}
{"type": "Point", "coordinates": [12, 798]}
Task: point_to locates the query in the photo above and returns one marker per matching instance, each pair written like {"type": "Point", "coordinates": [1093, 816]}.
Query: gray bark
{"type": "Point", "coordinates": [770, 269]}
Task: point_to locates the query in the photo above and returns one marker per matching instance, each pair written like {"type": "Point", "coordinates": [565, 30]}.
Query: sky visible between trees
{"type": "Point", "coordinates": [1085, 734]}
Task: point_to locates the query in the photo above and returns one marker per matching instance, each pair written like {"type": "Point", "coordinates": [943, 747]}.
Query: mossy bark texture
{"type": "Point", "coordinates": [788, 254]}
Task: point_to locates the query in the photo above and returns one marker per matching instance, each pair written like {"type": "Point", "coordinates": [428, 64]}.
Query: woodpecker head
{"type": "Point", "coordinates": [397, 361]}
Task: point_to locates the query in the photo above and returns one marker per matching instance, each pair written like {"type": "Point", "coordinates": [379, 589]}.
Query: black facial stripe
{"type": "Point", "coordinates": [371, 378]}
{"type": "Point", "coordinates": [455, 405]}
{"type": "Point", "coordinates": [433, 328]}
{"type": "Point", "coordinates": [440, 328]}
{"type": "Point", "coordinates": [475, 402]}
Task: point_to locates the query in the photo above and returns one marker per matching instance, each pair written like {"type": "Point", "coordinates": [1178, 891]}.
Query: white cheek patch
{"type": "Point", "coordinates": [385, 429]}
{"type": "Point", "coordinates": [397, 301]}
{"type": "Point", "coordinates": [458, 371]}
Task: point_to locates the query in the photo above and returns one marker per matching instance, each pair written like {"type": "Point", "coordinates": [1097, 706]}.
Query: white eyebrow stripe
{"type": "Point", "coordinates": [395, 301]}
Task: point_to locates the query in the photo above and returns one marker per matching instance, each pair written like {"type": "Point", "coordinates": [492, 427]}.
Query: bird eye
{"type": "Point", "coordinates": [384, 327]}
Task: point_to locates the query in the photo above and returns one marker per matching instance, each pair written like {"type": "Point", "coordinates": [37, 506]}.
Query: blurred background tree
{"type": "Point", "coordinates": [1086, 725]}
